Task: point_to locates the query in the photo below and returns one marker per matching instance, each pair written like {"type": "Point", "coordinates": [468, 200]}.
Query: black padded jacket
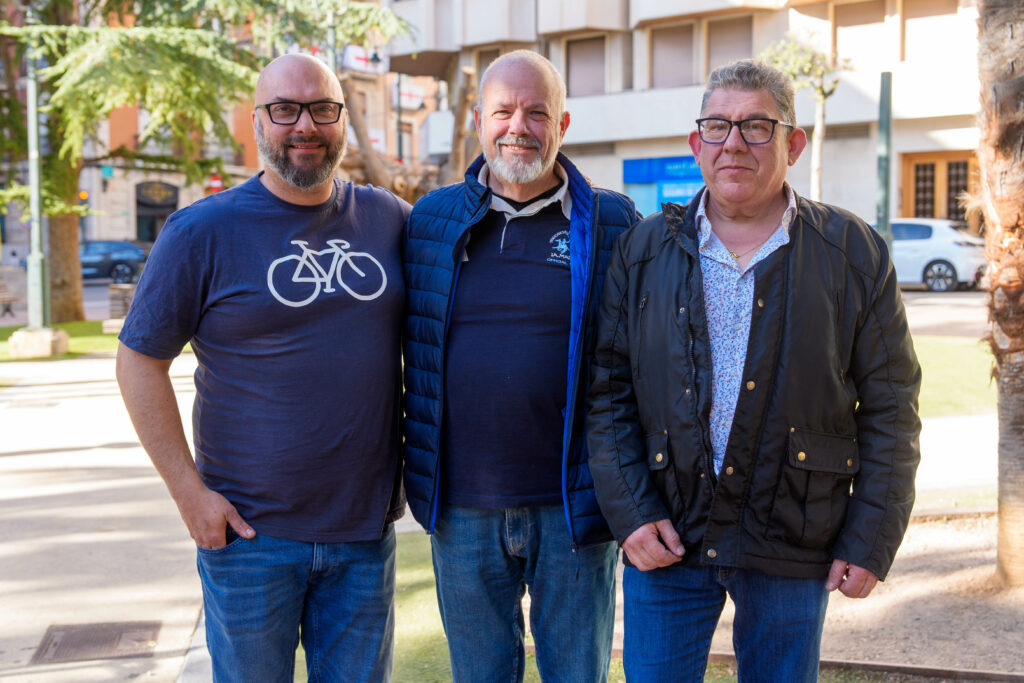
{"type": "Point", "coordinates": [821, 458]}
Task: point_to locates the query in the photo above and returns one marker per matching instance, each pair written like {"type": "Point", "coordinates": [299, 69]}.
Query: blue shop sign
{"type": "Point", "coordinates": [650, 182]}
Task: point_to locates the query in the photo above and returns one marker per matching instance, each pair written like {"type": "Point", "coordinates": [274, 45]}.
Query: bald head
{"type": "Point", "coordinates": [298, 78]}
{"type": "Point", "coordinates": [533, 63]}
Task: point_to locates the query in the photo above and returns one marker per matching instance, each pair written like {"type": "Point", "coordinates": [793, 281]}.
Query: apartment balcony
{"type": "Point", "coordinates": [633, 115]}
{"type": "Point", "coordinates": [557, 17]}
{"type": "Point", "coordinates": [429, 51]}
{"type": "Point", "coordinates": [645, 11]}
{"type": "Point", "coordinates": [919, 91]}
{"type": "Point", "coordinates": [486, 22]}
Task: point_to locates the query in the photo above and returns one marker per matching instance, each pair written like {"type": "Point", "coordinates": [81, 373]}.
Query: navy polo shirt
{"type": "Point", "coordinates": [507, 358]}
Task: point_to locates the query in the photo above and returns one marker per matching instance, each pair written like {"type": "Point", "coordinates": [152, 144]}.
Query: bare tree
{"type": "Point", "coordinates": [456, 163]}
{"type": "Point", "coordinates": [809, 68]}
{"type": "Point", "coordinates": [1001, 199]}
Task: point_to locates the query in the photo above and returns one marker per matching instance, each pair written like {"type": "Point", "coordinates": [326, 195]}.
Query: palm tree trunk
{"type": "Point", "coordinates": [1001, 197]}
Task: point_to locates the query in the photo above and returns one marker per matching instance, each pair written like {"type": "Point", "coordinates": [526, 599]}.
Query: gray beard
{"type": "Point", "coordinates": [518, 172]}
{"type": "Point", "coordinates": [276, 159]}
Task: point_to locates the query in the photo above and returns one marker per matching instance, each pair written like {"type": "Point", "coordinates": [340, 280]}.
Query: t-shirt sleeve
{"type": "Point", "coordinates": [168, 301]}
{"type": "Point", "coordinates": [405, 207]}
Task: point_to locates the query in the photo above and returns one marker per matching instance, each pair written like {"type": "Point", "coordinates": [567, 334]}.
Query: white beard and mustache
{"type": "Point", "coordinates": [519, 171]}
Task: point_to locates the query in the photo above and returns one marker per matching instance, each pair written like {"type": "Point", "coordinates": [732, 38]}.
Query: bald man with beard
{"type": "Point", "coordinates": [289, 288]}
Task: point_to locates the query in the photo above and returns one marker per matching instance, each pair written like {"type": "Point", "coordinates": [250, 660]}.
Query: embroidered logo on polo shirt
{"type": "Point", "coordinates": [559, 248]}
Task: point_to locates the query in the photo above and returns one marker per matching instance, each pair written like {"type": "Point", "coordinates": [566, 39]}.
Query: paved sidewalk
{"type": "Point", "coordinates": [88, 534]}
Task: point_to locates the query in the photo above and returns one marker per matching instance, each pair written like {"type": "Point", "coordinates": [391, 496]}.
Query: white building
{"type": "Point", "coordinates": [635, 70]}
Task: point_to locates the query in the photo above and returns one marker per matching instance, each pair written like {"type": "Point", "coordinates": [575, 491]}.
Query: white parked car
{"type": "Point", "coordinates": [941, 254]}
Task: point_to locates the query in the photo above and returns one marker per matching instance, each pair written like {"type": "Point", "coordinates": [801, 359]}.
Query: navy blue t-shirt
{"type": "Point", "coordinates": [294, 314]}
{"type": "Point", "coordinates": [506, 364]}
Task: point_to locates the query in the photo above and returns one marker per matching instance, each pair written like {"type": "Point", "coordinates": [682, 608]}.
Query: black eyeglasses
{"type": "Point", "coordinates": [753, 131]}
{"type": "Point", "coordinates": [288, 113]}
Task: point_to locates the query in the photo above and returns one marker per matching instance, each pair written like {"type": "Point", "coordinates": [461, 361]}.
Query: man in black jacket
{"type": "Point", "coordinates": [753, 413]}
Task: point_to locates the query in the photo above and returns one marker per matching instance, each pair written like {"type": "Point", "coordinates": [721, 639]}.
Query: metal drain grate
{"type": "Point", "coordinates": [78, 642]}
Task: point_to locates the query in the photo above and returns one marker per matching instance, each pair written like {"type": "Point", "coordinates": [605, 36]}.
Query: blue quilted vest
{"type": "Point", "coordinates": [434, 239]}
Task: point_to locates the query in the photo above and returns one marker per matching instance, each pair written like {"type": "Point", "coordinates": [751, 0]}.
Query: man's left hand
{"type": "Point", "coordinates": [851, 580]}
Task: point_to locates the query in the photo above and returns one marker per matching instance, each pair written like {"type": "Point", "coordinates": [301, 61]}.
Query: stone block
{"type": "Point", "coordinates": [41, 343]}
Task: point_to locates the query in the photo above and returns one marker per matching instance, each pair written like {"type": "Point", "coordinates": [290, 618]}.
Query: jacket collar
{"type": "Point", "coordinates": [681, 222]}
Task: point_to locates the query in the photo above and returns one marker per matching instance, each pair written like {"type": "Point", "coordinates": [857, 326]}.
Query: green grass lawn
{"type": "Point", "coordinates": [955, 376]}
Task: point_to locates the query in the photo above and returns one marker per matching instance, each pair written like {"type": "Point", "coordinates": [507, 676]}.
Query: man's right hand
{"type": "Point", "coordinates": [207, 514]}
{"type": "Point", "coordinates": [655, 544]}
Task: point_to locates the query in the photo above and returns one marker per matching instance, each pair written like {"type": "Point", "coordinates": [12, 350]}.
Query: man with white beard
{"type": "Point", "coordinates": [503, 274]}
{"type": "Point", "coordinates": [289, 289]}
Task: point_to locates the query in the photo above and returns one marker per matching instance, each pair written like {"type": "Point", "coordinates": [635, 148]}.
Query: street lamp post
{"type": "Point", "coordinates": [884, 157]}
{"type": "Point", "coordinates": [38, 339]}
{"type": "Point", "coordinates": [38, 275]}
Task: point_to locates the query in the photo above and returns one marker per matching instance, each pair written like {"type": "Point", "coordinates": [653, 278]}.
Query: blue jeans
{"type": "Point", "coordinates": [484, 560]}
{"type": "Point", "coordinates": [670, 617]}
{"type": "Point", "coordinates": [261, 594]}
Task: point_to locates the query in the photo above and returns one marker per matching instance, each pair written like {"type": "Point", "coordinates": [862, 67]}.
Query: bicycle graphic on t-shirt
{"type": "Point", "coordinates": [308, 270]}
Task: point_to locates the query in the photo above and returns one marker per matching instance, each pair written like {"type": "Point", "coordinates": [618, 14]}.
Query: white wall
{"type": "Point", "coordinates": [564, 16]}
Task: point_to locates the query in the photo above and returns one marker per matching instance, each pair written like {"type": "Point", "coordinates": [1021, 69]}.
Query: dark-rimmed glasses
{"type": "Point", "coordinates": [288, 113]}
{"type": "Point", "coordinates": [758, 131]}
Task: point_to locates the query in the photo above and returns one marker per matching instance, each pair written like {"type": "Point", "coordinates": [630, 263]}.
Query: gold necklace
{"type": "Point", "coordinates": [739, 256]}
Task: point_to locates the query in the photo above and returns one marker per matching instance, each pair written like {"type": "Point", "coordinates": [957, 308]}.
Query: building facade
{"type": "Point", "coordinates": [635, 71]}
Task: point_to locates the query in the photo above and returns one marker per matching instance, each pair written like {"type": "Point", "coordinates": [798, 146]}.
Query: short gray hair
{"type": "Point", "coordinates": [751, 75]}
{"type": "Point", "coordinates": [534, 59]}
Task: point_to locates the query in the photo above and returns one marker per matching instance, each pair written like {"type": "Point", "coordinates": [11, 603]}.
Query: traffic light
{"type": "Point", "coordinates": [83, 196]}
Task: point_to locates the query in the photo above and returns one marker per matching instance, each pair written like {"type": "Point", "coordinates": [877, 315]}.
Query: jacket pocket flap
{"type": "Point", "coordinates": [657, 450]}
{"type": "Point", "coordinates": [817, 452]}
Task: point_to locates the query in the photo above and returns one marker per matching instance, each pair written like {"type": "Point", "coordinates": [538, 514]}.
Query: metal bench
{"type": "Point", "coordinates": [6, 299]}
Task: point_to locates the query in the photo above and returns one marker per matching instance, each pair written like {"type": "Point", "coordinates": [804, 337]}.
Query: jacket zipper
{"type": "Point", "coordinates": [709, 460]}
{"type": "Point", "coordinates": [570, 408]}
{"type": "Point", "coordinates": [435, 498]}
{"type": "Point", "coordinates": [639, 330]}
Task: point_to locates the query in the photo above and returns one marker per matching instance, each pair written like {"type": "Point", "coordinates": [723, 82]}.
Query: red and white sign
{"type": "Point", "coordinates": [360, 59]}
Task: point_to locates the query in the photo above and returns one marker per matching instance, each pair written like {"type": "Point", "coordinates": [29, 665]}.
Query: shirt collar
{"type": "Point", "coordinates": [562, 195]}
{"type": "Point", "coordinates": [704, 223]}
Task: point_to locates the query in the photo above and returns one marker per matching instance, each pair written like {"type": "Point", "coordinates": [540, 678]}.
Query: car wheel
{"type": "Point", "coordinates": [940, 276]}
{"type": "Point", "coordinates": [122, 273]}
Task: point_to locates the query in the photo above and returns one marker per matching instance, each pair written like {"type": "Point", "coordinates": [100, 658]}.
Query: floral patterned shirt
{"type": "Point", "coordinates": [729, 301]}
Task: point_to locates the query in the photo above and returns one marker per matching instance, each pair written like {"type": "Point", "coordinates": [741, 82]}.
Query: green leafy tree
{"type": "Point", "coordinates": [183, 61]}
{"type": "Point", "coordinates": [1000, 196]}
{"type": "Point", "coordinates": [809, 68]}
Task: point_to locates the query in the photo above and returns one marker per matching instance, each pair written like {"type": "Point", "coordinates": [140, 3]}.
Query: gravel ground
{"type": "Point", "coordinates": [942, 606]}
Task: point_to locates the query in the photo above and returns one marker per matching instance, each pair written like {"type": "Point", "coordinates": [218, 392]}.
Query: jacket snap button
{"type": "Point", "coordinates": [729, 470]}
{"type": "Point", "coordinates": [751, 385]}
{"type": "Point", "coordinates": [801, 456]}
{"type": "Point", "coordinates": [760, 303]}
{"type": "Point", "coordinates": [849, 462]}
{"type": "Point", "coordinates": [659, 457]}
{"type": "Point", "coordinates": [687, 391]}
{"type": "Point", "coordinates": [712, 553]}
{"type": "Point", "coordinates": [682, 309]}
